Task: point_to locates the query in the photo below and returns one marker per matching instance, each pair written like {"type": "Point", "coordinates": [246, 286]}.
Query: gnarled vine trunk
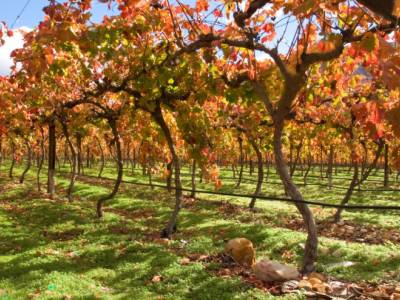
{"type": "Point", "coordinates": [171, 225]}
{"type": "Point", "coordinates": [349, 192]}
{"type": "Point", "coordinates": [74, 160]}
{"type": "Point", "coordinates": [241, 161]}
{"type": "Point", "coordinates": [386, 167]}
{"type": "Point", "coordinates": [51, 188]}
{"type": "Point", "coordinates": [169, 176]}
{"type": "Point", "coordinates": [102, 160]}
{"type": "Point", "coordinates": [120, 168]}
{"type": "Point", "coordinates": [260, 176]}
{"type": "Point", "coordinates": [28, 162]}
{"type": "Point", "coordinates": [11, 170]}
{"type": "Point", "coordinates": [310, 251]}
{"type": "Point", "coordinates": [329, 171]}
{"type": "Point", "coordinates": [79, 153]}
{"type": "Point", "coordinates": [356, 181]}
{"type": "Point", "coordinates": [41, 160]}
{"type": "Point", "coordinates": [193, 193]}
{"type": "Point", "coordinates": [293, 165]}
{"type": "Point", "coordinates": [309, 164]}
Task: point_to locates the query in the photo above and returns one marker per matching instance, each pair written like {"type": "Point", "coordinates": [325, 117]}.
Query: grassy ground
{"type": "Point", "coordinates": [50, 249]}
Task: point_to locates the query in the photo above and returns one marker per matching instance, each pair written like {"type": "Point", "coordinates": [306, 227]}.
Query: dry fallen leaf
{"type": "Point", "coordinates": [314, 281]}
{"type": "Point", "coordinates": [305, 284]}
{"type": "Point", "coordinates": [319, 276]}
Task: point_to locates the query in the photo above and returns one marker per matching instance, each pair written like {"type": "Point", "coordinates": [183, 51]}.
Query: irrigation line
{"type": "Point", "coordinates": [335, 177]}
{"type": "Point", "coordinates": [308, 184]}
{"type": "Point", "coordinates": [278, 199]}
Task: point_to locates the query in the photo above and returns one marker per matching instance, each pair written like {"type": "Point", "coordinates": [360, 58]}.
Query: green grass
{"type": "Point", "coordinates": [50, 249]}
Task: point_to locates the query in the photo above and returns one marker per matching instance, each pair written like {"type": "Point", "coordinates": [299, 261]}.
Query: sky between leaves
{"type": "Point", "coordinates": [30, 18]}
{"type": "Point", "coordinates": [33, 14]}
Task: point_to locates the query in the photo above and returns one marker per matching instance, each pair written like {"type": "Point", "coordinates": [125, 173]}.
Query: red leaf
{"type": "Point", "coordinates": [217, 13]}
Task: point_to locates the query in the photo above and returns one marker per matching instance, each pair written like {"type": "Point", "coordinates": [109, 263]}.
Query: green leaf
{"type": "Point", "coordinates": [369, 42]}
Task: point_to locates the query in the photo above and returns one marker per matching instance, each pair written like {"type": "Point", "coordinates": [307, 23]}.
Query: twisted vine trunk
{"type": "Point", "coordinates": [120, 168]}
{"type": "Point", "coordinates": [349, 193]}
{"type": "Point", "coordinates": [356, 181]}
{"type": "Point", "coordinates": [310, 251]}
{"type": "Point", "coordinates": [321, 162]}
{"type": "Point", "coordinates": [329, 171]}
{"type": "Point", "coordinates": [293, 165]}
{"type": "Point", "coordinates": [309, 163]}
{"type": "Point", "coordinates": [150, 167]}
{"type": "Point", "coordinates": [28, 162]}
{"type": "Point", "coordinates": [66, 157]}
{"type": "Point", "coordinates": [133, 162]}
{"type": "Point", "coordinates": [241, 161]}
{"type": "Point", "coordinates": [268, 170]}
{"type": "Point", "coordinates": [87, 156]}
{"type": "Point", "coordinates": [102, 161]}
{"type": "Point", "coordinates": [260, 176]}
{"type": "Point", "coordinates": [51, 189]}
{"type": "Point", "coordinates": [74, 161]}
{"type": "Point", "coordinates": [171, 225]}
{"type": "Point", "coordinates": [193, 193]}
{"type": "Point", "coordinates": [79, 153]}
{"type": "Point", "coordinates": [386, 167]}
{"type": "Point", "coordinates": [169, 176]}
{"type": "Point", "coordinates": [41, 160]}
{"type": "Point", "coordinates": [11, 170]}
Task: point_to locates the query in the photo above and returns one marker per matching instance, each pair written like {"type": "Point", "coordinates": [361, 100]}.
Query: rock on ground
{"type": "Point", "coordinates": [270, 271]}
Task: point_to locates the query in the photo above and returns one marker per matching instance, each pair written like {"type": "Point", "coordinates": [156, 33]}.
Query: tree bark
{"type": "Point", "coordinates": [386, 167]}
{"type": "Point", "coordinates": [241, 162]}
{"type": "Point", "coordinates": [51, 189]}
{"type": "Point", "coordinates": [329, 171]}
{"type": "Point", "coordinates": [102, 160]}
{"type": "Point", "coordinates": [356, 181]}
{"type": "Point", "coordinates": [74, 160]}
{"type": "Point", "coordinates": [169, 176]}
{"type": "Point", "coordinates": [11, 170]}
{"type": "Point", "coordinates": [171, 225]}
{"type": "Point", "coordinates": [321, 163]}
{"type": "Point", "coordinates": [311, 245]}
{"type": "Point", "coordinates": [41, 160]}
{"type": "Point", "coordinates": [385, 8]}
{"type": "Point", "coordinates": [348, 194]}
{"type": "Point", "coordinates": [87, 156]}
{"type": "Point", "coordinates": [79, 152]}
{"type": "Point", "coordinates": [294, 163]}
{"type": "Point", "coordinates": [66, 157]}
{"type": "Point", "coordinates": [260, 176]}
{"type": "Point", "coordinates": [193, 193]}
{"type": "Point", "coordinates": [28, 162]}
{"type": "Point", "coordinates": [309, 163]}
{"type": "Point", "coordinates": [268, 170]}
{"type": "Point", "coordinates": [149, 174]}
{"type": "Point", "coordinates": [120, 168]}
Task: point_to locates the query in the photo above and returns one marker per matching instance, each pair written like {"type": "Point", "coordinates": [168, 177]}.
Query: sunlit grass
{"type": "Point", "coordinates": [51, 249]}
